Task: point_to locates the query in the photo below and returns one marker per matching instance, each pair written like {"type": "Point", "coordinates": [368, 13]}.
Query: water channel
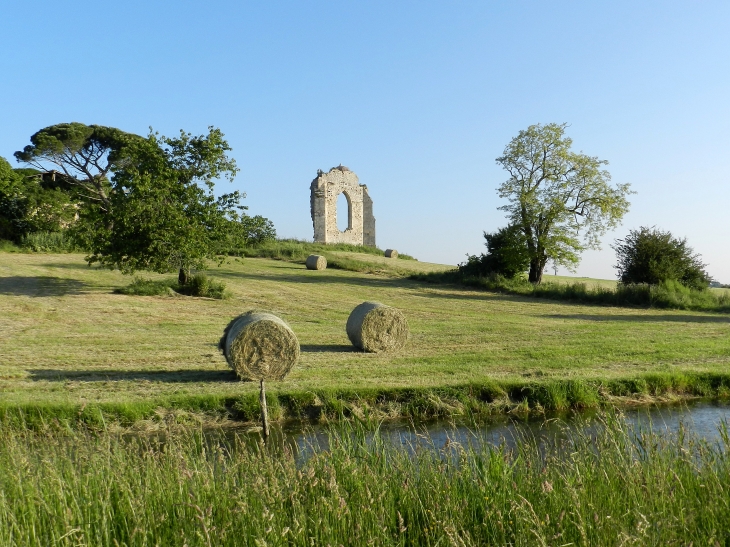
{"type": "Point", "coordinates": [703, 419]}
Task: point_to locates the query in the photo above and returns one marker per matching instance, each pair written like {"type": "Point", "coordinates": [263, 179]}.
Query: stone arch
{"type": "Point", "coordinates": [324, 192]}
{"type": "Point", "coordinates": [347, 211]}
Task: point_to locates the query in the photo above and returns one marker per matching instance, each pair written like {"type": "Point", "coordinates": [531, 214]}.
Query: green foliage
{"type": "Point", "coordinates": [555, 194]}
{"type": "Point", "coordinates": [507, 255]}
{"type": "Point", "coordinates": [668, 294]}
{"type": "Point", "coordinates": [141, 286]}
{"type": "Point", "coordinates": [204, 286]}
{"type": "Point", "coordinates": [31, 203]}
{"type": "Point", "coordinates": [651, 256]}
{"type": "Point", "coordinates": [243, 232]}
{"type": "Point", "coordinates": [84, 154]}
{"type": "Point", "coordinates": [198, 285]}
{"type": "Point", "coordinates": [49, 242]}
{"type": "Point", "coordinates": [164, 215]}
{"type": "Point", "coordinates": [8, 247]}
{"type": "Point", "coordinates": [596, 483]}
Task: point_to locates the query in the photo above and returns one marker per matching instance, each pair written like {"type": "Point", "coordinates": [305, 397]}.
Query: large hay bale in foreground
{"type": "Point", "coordinates": [375, 327]}
{"type": "Point", "coordinates": [391, 253]}
{"type": "Point", "coordinates": [316, 262]}
{"type": "Point", "coordinates": [260, 346]}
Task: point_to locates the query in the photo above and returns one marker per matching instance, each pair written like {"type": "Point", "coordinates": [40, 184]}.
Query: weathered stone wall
{"type": "Point", "coordinates": [324, 191]}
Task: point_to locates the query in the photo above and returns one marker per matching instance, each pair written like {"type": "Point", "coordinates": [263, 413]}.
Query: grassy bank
{"type": "Point", "coordinates": [669, 295]}
{"type": "Point", "coordinates": [72, 347]}
{"type": "Point", "coordinates": [341, 256]}
{"type": "Point", "coordinates": [609, 485]}
{"type": "Point", "coordinates": [463, 402]}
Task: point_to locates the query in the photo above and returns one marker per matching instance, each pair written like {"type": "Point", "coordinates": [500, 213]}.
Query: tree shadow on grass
{"type": "Point", "coordinates": [641, 318]}
{"type": "Point", "coordinates": [164, 376]}
{"type": "Point", "coordinates": [40, 286]}
{"type": "Point", "coordinates": [318, 278]}
{"type": "Point", "coordinates": [72, 266]}
{"type": "Point", "coordinates": [328, 348]}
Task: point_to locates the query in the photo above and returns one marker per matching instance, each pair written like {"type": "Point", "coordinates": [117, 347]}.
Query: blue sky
{"type": "Point", "coordinates": [418, 98]}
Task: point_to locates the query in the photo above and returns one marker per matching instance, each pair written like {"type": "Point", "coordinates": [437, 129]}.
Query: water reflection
{"type": "Point", "coordinates": [701, 419]}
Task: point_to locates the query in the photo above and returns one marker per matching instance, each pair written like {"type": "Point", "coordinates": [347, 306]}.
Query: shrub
{"type": "Point", "coordinates": [202, 285]}
{"type": "Point", "coordinates": [147, 287]}
{"type": "Point", "coordinates": [651, 256]}
{"type": "Point", "coordinates": [507, 255]}
{"type": "Point", "coordinates": [198, 285]}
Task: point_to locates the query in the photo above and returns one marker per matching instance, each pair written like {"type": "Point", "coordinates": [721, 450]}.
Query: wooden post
{"type": "Point", "coordinates": [264, 411]}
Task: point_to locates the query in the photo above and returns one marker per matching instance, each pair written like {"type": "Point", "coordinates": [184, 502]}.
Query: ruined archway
{"type": "Point", "coordinates": [344, 212]}
{"type": "Point", "coordinates": [324, 192]}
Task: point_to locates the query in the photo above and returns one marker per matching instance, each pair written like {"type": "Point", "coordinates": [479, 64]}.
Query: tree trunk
{"type": "Point", "coordinates": [183, 276]}
{"type": "Point", "coordinates": [536, 268]}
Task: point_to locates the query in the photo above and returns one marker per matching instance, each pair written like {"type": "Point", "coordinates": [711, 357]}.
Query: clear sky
{"type": "Point", "coordinates": [418, 98]}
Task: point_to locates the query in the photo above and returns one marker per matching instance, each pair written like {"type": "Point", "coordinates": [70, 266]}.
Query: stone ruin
{"type": "Point", "coordinates": [325, 189]}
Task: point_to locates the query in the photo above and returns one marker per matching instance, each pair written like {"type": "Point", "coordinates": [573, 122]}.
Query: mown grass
{"type": "Point", "coordinates": [668, 295]}
{"type": "Point", "coordinates": [70, 347]}
{"type": "Point", "coordinates": [608, 484]}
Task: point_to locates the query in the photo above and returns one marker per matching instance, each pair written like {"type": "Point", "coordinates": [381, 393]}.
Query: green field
{"type": "Point", "coordinates": [67, 340]}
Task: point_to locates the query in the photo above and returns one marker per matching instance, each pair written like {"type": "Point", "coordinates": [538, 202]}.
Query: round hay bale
{"type": "Point", "coordinates": [259, 346]}
{"type": "Point", "coordinates": [316, 262]}
{"type": "Point", "coordinates": [391, 253]}
{"type": "Point", "coordinates": [375, 327]}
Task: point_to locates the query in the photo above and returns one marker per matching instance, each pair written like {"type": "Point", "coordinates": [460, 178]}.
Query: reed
{"type": "Point", "coordinates": [608, 484]}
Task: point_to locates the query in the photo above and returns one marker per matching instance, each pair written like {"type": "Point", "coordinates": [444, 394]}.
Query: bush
{"type": "Point", "coordinates": [199, 285]}
{"type": "Point", "coordinates": [148, 287]}
{"type": "Point", "coordinates": [202, 285]}
{"type": "Point", "coordinates": [8, 247]}
{"type": "Point", "coordinates": [507, 255]}
{"type": "Point", "coordinates": [651, 256]}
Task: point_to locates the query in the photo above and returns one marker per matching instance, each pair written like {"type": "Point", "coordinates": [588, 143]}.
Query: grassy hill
{"type": "Point", "coordinates": [72, 348]}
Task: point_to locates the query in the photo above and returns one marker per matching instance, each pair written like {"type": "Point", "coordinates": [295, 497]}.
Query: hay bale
{"type": "Point", "coordinates": [259, 346]}
{"type": "Point", "coordinates": [316, 262]}
{"type": "Point", "coordinates": [391, 253]}
{"type": "Point", "coordinates": [375, 327]}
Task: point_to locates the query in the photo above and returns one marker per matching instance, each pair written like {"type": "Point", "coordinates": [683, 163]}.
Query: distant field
{"type": "Point", "coordinates": [66, 338]}
{"type": "Point", "coordinates": [589, 281]}
{"type": "Point", "coordinates": [389, 265]}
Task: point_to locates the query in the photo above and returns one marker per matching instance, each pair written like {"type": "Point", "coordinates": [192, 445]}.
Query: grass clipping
{"type": "Point", "coordinates": [376, 328]}
{"type": "Point", "coordinates": [259, 346]}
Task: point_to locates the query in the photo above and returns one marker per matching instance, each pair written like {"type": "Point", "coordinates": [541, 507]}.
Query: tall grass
{"type": "Point", "coordinates": [605, 485]}
{"type": "Point", "coordinates": [49, 242]}
{"type": "Point", "coordinates": [669, 294]}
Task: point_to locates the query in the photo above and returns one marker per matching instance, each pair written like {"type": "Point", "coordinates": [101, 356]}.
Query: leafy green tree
{"type": "Point", "coordinates": [30, 202]}
{"type": "Point", "coordinates": [85, 156]}
{"type": "Point", "coordinates": [561, 200]}
{"type": "Point", "coordinates": [507, 255]}
{"type": "Point", "coordinates": [245, 231]}
{"type": "Point", "coordinates": [652, 256]}
{"type": "Point", "coordinates": [164, 214]}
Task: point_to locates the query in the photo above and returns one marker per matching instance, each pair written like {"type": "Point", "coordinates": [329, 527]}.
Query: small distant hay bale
{"type": "Point", "coordinates": [259, 346]}
{"type": "Point", "coordinates": [376, 328]}
{"type": "Point", "coordinates": [391, 253]}
{"type": "Point", "coordinates": [316, 262]}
